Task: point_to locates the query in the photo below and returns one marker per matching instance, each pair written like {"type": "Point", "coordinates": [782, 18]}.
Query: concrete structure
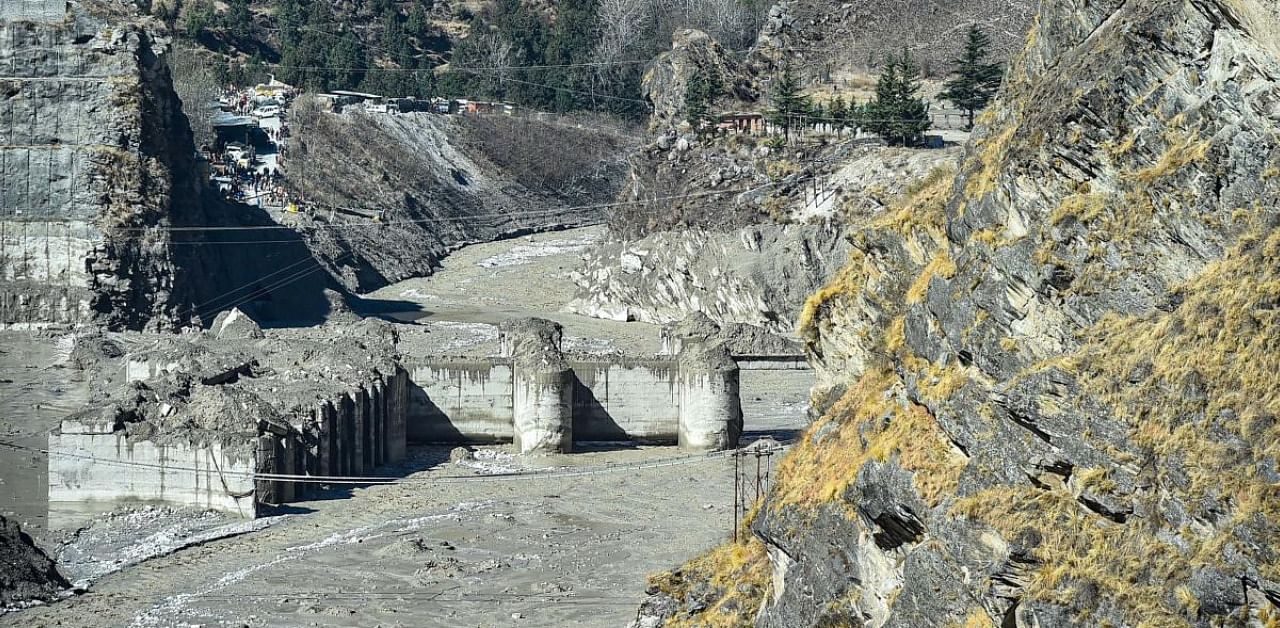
{"type": "Point", "coordinates": [93, 459]}
{"type": "Point", "coordinates": [625, 400]}
{"type": "Point", "coordinates": [88, 467]}
{"type": "Point", "coordinates": [542, 404]}
{"type": "Point", "coordinates": [33, 10]}
{"type": "Point", "coordinates": [223, 425]}
{"type": "Point", "coordinates": [710, 407]}
{"type": "Point", "coordinates": [545, 403]}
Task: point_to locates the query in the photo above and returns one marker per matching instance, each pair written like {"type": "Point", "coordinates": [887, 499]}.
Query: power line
{"type": "Point", "coordinates": [389, 480]}
{"type": "Point", "coordinates": [446, 219]}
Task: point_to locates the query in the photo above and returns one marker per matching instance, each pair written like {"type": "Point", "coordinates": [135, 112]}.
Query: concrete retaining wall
{"type": "Point", "coordinates": [86, 468]}
{"type": "Point", "coordinates": [457, 401]}
{"type": "Point", "coordinates": [634, 400]}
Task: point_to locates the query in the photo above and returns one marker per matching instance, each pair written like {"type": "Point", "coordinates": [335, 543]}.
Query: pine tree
{"type": "Point", "coordinates": [697, 99]}
{"type": "Point", "coordinates": [238, 21]}
{"type": "Point", "coordinates": [199, 17]}
{"type": "Point", "coordinates": [973, 81]}
{"type": "Point", "coordinates": [347, 61]}
{"type": "Point", "coordinates": [838, 113]}
{"type": "Point", "coordinates": [897, 114]}
{"type": "Point", "coordinates": [789, 105]}
{"type": "Point", "coordinates": [418, 25]}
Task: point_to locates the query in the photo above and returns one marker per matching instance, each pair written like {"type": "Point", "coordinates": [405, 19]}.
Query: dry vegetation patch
{"type": "Point", "coordinates": [872, 422]}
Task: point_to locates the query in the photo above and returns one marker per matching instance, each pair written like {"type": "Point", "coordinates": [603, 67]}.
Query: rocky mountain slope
{"type": "Point", "coordinates": [103, 218]}
{"type": "Point", "coordinates": [1049, 392]}
{"type": "Point", "coordinates": [757, 275]}
{"type": "Point", "coordinates": [26, 573]}
{"type": "Point", "coordinates": [828, 40]}
{"type": "Point", "coordinates": [439, 182]}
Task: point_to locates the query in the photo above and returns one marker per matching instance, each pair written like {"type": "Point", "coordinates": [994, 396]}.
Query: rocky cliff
{"type": "Point", "coordinates": [1048, 386]}
{"type": "Point", "coordinates": [758, 275]}
{"type": "Point", "coordinates": [103, 218]}
{"type": "Point", "coordinates": [93, 169]}
{"type": "Point", "coordinates": [840, 40]}
{"type": "Point", "coordinates": [439, 182]}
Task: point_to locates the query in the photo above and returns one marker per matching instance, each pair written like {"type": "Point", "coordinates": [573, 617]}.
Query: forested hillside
{"type": "Point", "coordinates": [560, 56]}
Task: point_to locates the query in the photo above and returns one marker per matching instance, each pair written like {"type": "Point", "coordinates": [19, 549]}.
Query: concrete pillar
{"type": "Point", "coordinates": [362, 431]}
{"type": "Point", "coordinates": [377, 408]}
{"type": "Point", "coordinates": [267, 490]}
{"type": "Point", "coordinates": [346, 427]}
{"type": "Point", "coordinates": [324, 423]}
{"type": "Point", "coordinates": [542, 386]}
{"type": "Point", "coordinates": [398, 419]}
{"type": "Point", "coordinates": [286, 455]}
{"type": "Point", "coordinates": [710, 408]}
{"type": "Point", "coordinates": [357, 432]}
{"type": "Point", "coordinates": [543, 406]}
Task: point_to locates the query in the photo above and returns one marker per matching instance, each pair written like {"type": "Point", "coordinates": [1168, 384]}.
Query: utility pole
{"type": "Point", "coordinates": [736, 455]}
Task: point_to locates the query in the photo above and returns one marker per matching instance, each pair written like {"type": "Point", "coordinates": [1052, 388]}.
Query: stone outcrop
{"type": "Point", "coordinates": [1048, 385]}
{"type": "Point", "coordinates": [93, 167]}
{"type": "Point", "coordinates": [668, 77]}
{"type": "Point", "coordinates": [824, 39]}
{"type": "Point", "coordinates": [26, 573]}
{"type": "Point", "coordinates": [103, 215]}
{"type": "Point", "coordinates": [758, 275]}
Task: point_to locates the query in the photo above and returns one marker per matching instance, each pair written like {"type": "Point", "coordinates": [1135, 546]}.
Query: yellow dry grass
{"type": "Point", "coordinates": [1082, 207]}
{"type": "Point", "coordinates": [1184, 148]}
{"type": "Point", "coordinates": [1223, 342]}
{"type": "Point", "coordinates": [993, 152]}
{"type": "Point", "coordinates": [871, 423]}
{"type": "Point", "coordinates": [1127, 563]}
{"type": "Point", "coordinates": [726, 568]}
{"type": "Point", "coordinates": [940, 266]}
{"type": "Point", "coordinates": [919, 215]}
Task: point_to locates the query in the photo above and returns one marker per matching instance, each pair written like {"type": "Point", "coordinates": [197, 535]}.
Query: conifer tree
{"type": "Point", "coordinates": [973, 81]}
{"type": "Point", "coordinates": [838, 113]}
{"type": "Point", "coordinates": [789, 105]}
{"type": "Point", "coordinates": [698, 95]}
{"type": "Point", "coordinates": [898, 114]}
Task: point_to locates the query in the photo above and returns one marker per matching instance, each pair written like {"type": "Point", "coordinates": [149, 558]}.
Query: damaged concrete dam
{"type": "Point", "coordinates": [194, 375]}
{"type": "Point", "coordinates": [231, 420]}
{"type": "Point", "coordinates": [525, 313]}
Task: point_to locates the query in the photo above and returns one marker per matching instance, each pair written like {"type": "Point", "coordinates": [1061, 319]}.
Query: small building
{"type": "Point", "coordinates": [481, 107]}
{"type": "Point", "coordinates": [230, 128]}
{"type": "Point", "coordinates": [371, 102]}
{"type": "Point", "coordinates": [749, 122]}
{"type": "Point", "coordinates": [441, 105]}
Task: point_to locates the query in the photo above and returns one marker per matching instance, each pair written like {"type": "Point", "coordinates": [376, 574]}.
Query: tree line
{"type": "Point", "coordinates": [588, 57]}
{"type": "Point", "coordinates": [896, 113]}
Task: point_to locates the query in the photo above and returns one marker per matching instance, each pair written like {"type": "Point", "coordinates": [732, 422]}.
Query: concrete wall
{"type": "Point", "coordinates": [86, 468]}
{"type": "Point", "coordinates": [456, 401]}
{"type": "Point", "coordinates": [350, 433]}
{"type": "Point", "coordinates": [470, 401]}
{"type": "Point", "coordinates": [33, 10]}
{"type": "Point", "coordinates": [631, 400]}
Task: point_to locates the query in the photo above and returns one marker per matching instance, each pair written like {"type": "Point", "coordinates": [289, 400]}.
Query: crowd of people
{"type": "Point", "coordinates": [247, 161]}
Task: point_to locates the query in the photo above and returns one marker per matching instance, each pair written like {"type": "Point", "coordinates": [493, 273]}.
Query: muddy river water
{"type": "Point", "coordinates": [568, 544]}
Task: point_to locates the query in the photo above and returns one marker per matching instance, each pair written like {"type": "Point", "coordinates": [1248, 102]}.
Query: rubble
{"type": "Point", "coordinates": [26, 573]}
